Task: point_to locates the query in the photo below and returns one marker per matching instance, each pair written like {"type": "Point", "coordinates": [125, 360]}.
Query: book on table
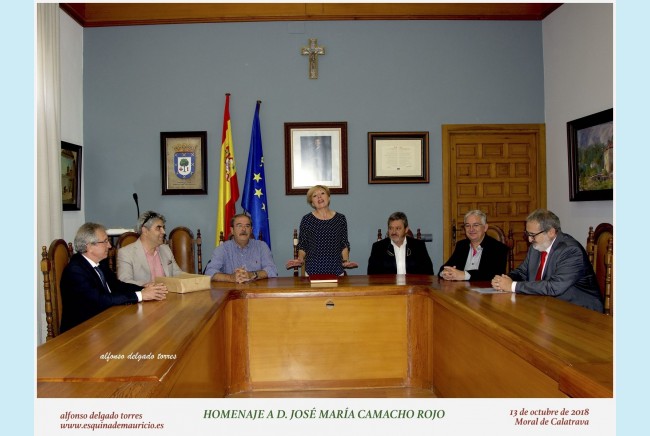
{"type": "Point", "coordinates": [323, 279]}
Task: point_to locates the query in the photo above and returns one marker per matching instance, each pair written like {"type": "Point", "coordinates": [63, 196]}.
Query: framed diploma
{"type": "Point", "coordinates": [398, 157]}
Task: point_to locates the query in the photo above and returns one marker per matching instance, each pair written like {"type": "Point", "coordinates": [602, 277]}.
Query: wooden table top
{"type": "Point", "coordinates": [547, 332]}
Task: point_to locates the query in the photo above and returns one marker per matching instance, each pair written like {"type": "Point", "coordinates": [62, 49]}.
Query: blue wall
{"type": "Point", "coordinates": [376, 75]}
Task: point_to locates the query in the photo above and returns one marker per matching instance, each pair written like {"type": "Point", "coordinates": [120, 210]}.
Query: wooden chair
{"type": "Point", "coordinates": [126, 239]}
{"type": "Point", "coordinates": [53, 262]}
{"type": "Point", "coordinates": [182, 243]}
{"type": "Point", "coordinates": [600, 250]}
{"type": "Point", "coordinates": [123, 240]}
{"type": "Point", "coordinates": [297, 271]}
{"type": "Point", "coordinates": [494, 231]}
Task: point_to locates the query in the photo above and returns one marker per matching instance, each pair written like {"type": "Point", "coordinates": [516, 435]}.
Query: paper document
{"type": "Point", "coordinates": [487, 290]}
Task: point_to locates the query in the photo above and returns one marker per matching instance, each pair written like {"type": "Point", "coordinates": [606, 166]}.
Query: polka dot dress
{"type": "Point", "coordinates": [323, 241]}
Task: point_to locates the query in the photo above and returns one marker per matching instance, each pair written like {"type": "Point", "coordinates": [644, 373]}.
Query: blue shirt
{"type": "Point", "coordinates": [229, 256]}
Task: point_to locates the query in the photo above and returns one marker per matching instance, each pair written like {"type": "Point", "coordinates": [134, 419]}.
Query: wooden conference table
{"type": "Point", "coordinates": [278, 336]}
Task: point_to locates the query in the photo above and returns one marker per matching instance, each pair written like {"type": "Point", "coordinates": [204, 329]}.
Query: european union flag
{"type": "Point", "coordinates": [254, 200]}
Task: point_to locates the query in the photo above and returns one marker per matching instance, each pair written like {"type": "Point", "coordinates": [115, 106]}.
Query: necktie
{"type": "Point", "coordinates": [101, 277]}
{"type": "Point", "coordinates": [538, 276]}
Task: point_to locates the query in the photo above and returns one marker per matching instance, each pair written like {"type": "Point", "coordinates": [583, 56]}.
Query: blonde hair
{"type": "Point", "coordinates": [313, 189]}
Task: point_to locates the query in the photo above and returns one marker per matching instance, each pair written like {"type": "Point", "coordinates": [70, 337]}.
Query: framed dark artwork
{"type": "Point", "coordinates": [70, 176]}
{"type": "Point", "coordinates": [316, 154]}
{"type": "Point", "coordinates": [591, 157]}
{"type": "Point", "coordinates": [398, 157]}
{"type": "Point", "coordinates": [184, 164]}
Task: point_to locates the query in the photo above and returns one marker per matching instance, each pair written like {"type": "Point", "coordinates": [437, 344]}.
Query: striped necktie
{"type": "Point", "coordinates": [102, 278]}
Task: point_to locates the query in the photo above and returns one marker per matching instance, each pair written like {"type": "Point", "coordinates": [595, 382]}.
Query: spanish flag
{"type": "Point", "coordinates": [228, 188]}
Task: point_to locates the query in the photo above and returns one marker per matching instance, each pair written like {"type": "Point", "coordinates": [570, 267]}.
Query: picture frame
{"type": "Point", "coordinates": [398, 157]}
{"type": "Point", "coordinates": [70, 176]}
{"type": "Point", "coordinates": [590, 142]}
{"type": "Point", "coordinates": [184, 163]}
{"type": "Point", "coordinates": [316, 153]}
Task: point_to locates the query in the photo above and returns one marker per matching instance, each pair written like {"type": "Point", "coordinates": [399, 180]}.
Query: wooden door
{"type": "Point", "coordinates": [497, 168]}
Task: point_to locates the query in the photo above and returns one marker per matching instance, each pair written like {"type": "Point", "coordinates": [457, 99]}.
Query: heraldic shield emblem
{"type": "Point", "coordinates": [184, 164]}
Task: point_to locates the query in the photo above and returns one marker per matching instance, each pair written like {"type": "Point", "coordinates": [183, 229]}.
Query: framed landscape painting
{"type": "Point", "coordinates": [591, 157]}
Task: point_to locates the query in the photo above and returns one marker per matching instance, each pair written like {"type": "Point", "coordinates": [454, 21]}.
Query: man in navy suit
{"type": "Point", "coordinates": [556, 265]}
{"type": "Point", "coordinates": [479, 256]}
{"type": "Point", "coordinates": [399, 253]}
{"type": "Point", "coordinates": [89, 287]}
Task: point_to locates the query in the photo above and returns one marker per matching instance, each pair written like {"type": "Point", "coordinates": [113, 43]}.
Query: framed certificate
{"type": "Point", "coordinates": [398, 157]}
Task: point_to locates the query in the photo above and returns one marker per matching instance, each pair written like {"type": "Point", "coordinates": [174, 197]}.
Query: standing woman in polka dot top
{"type": "Point", "coordinates": [323, 240]}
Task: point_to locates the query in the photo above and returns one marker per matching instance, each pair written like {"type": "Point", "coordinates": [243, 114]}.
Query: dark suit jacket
{"type": "Point", "coordinates": [568, 274]}
{"type": "Point", "coordinates": [382, 258]}
{"type": "Point", "coordinates": [83, 295]}
{"type": "Point", "coordinates": [493, 258]}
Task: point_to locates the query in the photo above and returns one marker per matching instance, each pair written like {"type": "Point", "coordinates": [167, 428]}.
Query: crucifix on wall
{"type": "Point", "coordinates": [313, 51]}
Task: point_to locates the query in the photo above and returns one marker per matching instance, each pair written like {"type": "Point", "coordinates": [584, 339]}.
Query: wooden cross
{"type": "Point", "coordinates": [313, 50]}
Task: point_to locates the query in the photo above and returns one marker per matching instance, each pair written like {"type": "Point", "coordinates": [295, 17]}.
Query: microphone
{"type": "Point", "coordinates": [135, 197]}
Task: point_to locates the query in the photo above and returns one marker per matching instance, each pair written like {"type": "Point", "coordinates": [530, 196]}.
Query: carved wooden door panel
{"type": "Point", "coordinates": [497, 168]}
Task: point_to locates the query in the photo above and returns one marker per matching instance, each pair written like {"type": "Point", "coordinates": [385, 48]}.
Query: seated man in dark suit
{"type": "Point", "coordinates": [556, 265]}
{"type": "Point", "coordinates": [88, 287]}
{"type": "Point", "coordinates": [479, 256]}
{"type": "Point", "coordinates": [398, 253]}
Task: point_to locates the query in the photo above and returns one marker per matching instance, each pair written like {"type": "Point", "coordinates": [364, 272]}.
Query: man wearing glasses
{"type": "Point", "coordinates": [88, 286]}
{"type": "Point", "coordinates": [479, 256]}
{"type": "Point", "coordinates": [556, 265]}
{"type": "Point", "coordinates": [148, 257]}
{"type": "Point", "coordinates": [243, 258]}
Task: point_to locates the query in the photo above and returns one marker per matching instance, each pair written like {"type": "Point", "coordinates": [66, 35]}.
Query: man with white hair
{"type": "Point", "coordinates": [479, 256]}
{"type": "Point", "coordinates": [88, 286]}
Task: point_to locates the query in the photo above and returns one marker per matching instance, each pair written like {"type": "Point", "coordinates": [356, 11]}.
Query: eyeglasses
{"type": "Point", "coordinates": [105, 241]}
{"type": "Point", "coordinates": [533, 235]}
{"type": "Point", "coordinates": [474, 226]}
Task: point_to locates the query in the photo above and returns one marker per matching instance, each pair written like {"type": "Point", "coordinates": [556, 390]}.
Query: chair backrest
{"type": "Point", "coordinates": [494, 231]}
{"type": "Point", "coordinates": [53, 262]}
{"type": "Point", "coordinates": [297, 271]}
{"type": "Point", "coordinates": [497, 233]}
{"type": "Point", "coordinates": [182, 244]}
{"type": "Point", "coordinates": [123, 240]}
{"type": "Point", "coordinates": [600, 250]}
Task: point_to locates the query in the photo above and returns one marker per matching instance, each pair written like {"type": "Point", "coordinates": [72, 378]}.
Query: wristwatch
{"type": "Point", "coordinates": [255, 275]}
